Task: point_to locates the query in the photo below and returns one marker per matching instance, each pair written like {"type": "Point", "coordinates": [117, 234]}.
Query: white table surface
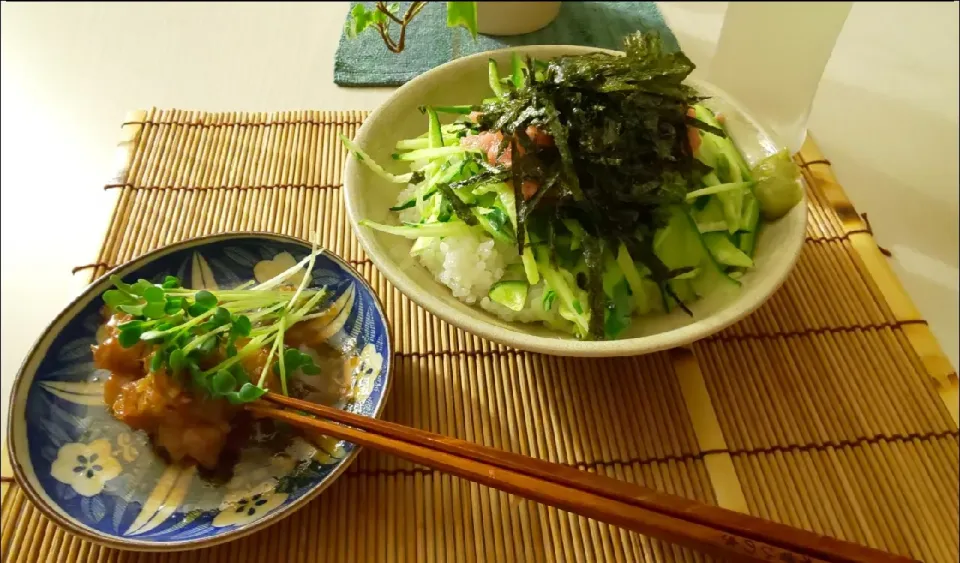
{"type": "Point", "coordinates": [886, 115]}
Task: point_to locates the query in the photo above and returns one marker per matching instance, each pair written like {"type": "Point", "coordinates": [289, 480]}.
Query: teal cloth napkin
{"type": "Point", "coordinates": [365, 61]}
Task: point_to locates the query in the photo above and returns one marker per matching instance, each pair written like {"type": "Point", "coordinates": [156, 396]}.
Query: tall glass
{"type": "Point", "coordinates": [771, 56]}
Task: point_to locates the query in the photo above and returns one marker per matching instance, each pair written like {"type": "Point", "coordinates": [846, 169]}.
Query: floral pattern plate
{"type": "Point", "coordinates": [95, 476]}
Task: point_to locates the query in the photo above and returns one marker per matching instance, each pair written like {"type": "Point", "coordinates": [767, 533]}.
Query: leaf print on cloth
{"type": "Point", "coordinates": [85, 467]}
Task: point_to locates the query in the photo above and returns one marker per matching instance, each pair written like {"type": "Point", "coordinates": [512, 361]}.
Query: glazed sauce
{"type": "Point", "coordinates": [189, 427]}
{"type": "Point", "coordinates": [185, 426]}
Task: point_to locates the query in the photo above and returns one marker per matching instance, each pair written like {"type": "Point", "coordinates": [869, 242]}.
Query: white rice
{"type": "Point", "coordinates": [470, 264]}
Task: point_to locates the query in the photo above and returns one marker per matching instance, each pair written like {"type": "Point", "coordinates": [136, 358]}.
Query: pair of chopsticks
{"type": "Point", "coordinates": [712, 530]}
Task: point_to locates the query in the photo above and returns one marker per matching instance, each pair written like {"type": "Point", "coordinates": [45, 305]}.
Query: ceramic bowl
{"type": "Point", "coordinates": [465, 81]}
{"type": "Point", "coordinates": [96, 477]}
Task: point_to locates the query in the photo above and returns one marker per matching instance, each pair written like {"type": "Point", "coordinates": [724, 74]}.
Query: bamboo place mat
{"type": "Point", "coordinates": [831, 408]}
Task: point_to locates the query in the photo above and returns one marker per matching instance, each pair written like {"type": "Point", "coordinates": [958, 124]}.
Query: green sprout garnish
{"type": "Point", "coordinates": [186, 327]}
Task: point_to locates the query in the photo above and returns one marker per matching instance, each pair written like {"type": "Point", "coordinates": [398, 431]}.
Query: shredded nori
{"type": "Point", "coordinates": [461, 209]}
{"type": "Point", "coordinates": [620, 154]}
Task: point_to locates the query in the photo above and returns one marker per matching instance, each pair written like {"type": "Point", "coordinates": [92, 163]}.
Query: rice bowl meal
{"type": "Point", "coordinates": [585, 193]}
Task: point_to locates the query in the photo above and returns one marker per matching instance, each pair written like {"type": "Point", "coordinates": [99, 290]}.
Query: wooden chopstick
{"type": "Point", "coordinates": [601, 508]}
{"type": "Point", "coordinates": [710, 529]}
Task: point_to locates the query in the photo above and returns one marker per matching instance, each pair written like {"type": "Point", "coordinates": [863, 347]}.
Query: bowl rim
{"type": "Point", "coordinates": [559, 345]}
{"type": "Point", "coordinates": [18, 388]}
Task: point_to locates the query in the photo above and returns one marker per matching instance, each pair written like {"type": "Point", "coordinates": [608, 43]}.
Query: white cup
{"type": "Point", "coordinates": [515, 18]}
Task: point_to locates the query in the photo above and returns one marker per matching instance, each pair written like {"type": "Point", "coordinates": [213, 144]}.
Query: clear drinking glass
{"type": "Point", "coordinates": [771, 56]}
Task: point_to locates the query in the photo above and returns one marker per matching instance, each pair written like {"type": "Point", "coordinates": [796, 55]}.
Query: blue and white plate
{"type": "Point", "coordinates": [96, 477]}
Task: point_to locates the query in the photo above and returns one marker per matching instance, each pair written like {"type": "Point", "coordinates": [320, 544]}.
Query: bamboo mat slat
{"type": "Point", "coordinates": [831, 407]}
